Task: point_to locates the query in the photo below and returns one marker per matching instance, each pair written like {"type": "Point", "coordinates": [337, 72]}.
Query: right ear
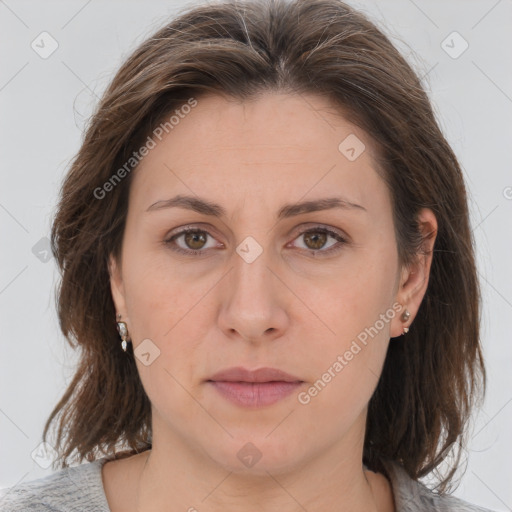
{"type": "Point", "coordinates": [117, 286]}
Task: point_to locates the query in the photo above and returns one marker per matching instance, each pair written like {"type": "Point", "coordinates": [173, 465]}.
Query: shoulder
{"type": "Point", "coordinates": [76, 488]}
{"type": "Point", "coordinates": [412, 496]}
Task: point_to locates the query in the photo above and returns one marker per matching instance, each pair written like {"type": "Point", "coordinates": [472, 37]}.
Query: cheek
{"type": "Point", "coordinates": [164, 309]}
{"type": "Point", "coordinates": [154, 287]}
{"type": "Point", "coordinates": [165, 305]}
{"type": "Point", "coordinates": [346, 370]}
{"type": "Point", "coordinates": [357, 308]}
{"type": "Point", "coordinates": [356, 293]}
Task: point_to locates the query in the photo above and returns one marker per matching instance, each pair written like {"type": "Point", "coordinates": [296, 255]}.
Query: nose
{"type": "Point", "coordinates": [254, 301]}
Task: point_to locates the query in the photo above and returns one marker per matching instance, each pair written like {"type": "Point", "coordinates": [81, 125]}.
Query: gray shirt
{"type": "Point", "coordinates": [80, 489]}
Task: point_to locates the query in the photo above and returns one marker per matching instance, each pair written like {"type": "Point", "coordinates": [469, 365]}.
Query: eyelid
{"type": "Point", "coordinates": [168, 240]}
{"type": "Point", "coordinates": [312, 226]}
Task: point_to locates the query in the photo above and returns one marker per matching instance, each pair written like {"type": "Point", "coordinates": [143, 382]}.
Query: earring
{"type": "Point", "coordinates": [405, 316]}
{"type": "Point", "coordinates": [122, 329]}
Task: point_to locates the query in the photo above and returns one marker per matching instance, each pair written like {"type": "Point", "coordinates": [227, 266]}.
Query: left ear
{"type": "Point", "coordinates": [414, 277]}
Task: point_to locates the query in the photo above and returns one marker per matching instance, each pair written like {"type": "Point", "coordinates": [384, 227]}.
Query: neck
{"type": "Point", "coordinates": [176, 477]}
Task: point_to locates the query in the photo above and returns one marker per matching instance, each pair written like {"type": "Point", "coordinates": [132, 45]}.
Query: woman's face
{"type": "Point", "coordinates": [309, 291]}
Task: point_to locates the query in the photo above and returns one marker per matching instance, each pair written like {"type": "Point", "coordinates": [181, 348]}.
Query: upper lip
{"type": "Point", "coordinates": [240, 374]}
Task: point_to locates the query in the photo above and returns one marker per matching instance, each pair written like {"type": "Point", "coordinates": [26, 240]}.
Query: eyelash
{"type": "Point", "coordinates": [191, 252]}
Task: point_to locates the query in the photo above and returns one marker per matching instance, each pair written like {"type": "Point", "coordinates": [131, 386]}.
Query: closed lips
{"type": "Point", "coordinates": [260, 375]}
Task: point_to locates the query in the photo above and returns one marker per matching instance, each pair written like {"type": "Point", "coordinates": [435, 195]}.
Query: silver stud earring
{"type": "Point", "coordinates": [122, 329]}
{"type": "Point", "coordinates": [405, 316]}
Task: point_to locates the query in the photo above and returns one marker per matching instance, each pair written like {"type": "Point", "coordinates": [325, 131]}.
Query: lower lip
{"type": "Point", "coordinates": [255, 394]}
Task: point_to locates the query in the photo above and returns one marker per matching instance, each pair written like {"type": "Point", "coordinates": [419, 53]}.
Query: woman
{"type": "Point", "coordinates": [268, 267]}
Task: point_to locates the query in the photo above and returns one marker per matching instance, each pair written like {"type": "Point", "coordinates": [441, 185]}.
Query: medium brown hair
{"type": "Point", "coordinates": [431, 378]}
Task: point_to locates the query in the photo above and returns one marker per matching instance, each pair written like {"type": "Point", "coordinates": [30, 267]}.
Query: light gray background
{"type": "Point", "coordinates": [45, 102]}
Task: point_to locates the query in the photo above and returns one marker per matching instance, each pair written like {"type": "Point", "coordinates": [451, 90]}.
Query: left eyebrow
{"type": "Point", "coordinates": [289, 210]}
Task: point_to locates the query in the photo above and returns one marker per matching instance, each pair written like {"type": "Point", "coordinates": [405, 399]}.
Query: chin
{"type": "Point", "coordinates": [253, 454]}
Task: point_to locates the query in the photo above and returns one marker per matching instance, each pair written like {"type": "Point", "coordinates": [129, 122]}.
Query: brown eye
{"type": "Point", "coordinates": [195, 240]}
{"type": "Point", "coordinates": [190, 241]}
{"type": "Point", "coordinates": [315, 239]}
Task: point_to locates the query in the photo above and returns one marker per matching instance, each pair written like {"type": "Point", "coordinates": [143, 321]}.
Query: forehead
{"type": "Point", "coordinates": [283, 145]}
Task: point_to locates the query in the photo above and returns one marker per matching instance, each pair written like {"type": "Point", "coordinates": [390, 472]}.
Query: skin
{"type": "Point", "coordinates": [289, 309]}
